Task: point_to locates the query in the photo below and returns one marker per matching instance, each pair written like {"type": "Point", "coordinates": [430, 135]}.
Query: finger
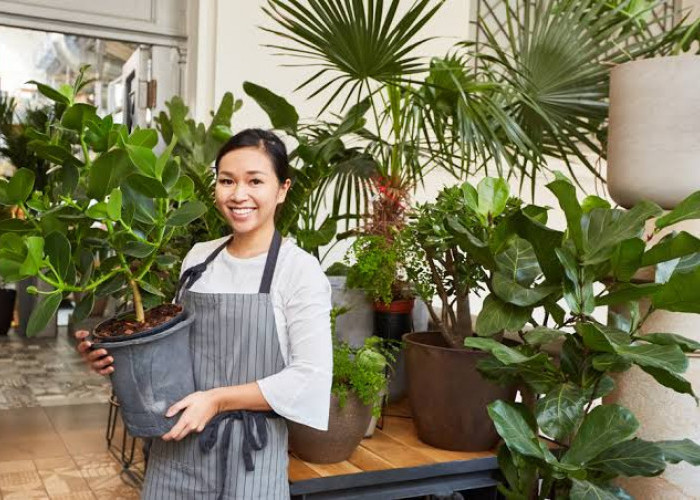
{"type": "Point", "coordinates": [175, 431]}
{"type": "Point", "coordinates": [84, 346]}
{"type": "Point", "coordinates": [81, 334]}
{"type": "Point", "coordinates": [188, 428]}
{"type": "Point", "coordinates": [97, 354]}
{"type": "Point", "coordinates": [177, 407]}
{"type": "Point", "coordinates": [106, 371]}
{"type": "Point", "coordinates": [102, 363]}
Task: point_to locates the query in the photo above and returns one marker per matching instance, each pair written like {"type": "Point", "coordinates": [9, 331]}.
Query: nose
{"type": "Point", "coordinates": [239, 193]}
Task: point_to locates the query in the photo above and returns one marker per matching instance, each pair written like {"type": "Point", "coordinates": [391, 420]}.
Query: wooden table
{"type": "Point", "coordinates": [394, 463]}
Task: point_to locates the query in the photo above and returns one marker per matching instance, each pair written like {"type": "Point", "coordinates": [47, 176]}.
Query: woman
{"type": "Point", "coordinates": [261, 342]}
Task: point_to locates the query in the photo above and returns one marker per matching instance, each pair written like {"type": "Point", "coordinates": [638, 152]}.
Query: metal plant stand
{"type": "Point", "coordinates": [124, 448]}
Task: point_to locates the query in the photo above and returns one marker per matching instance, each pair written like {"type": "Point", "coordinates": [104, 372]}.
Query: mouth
{"type": "Point", "coordinates": [242, 212]}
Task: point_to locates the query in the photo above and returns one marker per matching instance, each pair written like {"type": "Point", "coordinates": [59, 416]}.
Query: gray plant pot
{"type": "Point", "coordinates": [151, 373]}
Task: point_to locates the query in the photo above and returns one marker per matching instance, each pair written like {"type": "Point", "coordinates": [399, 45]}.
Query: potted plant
{"type": "Point", "coordinates": [7, 295]}
{"type": "Point", "coordinates": [602, 248]}
{"type": "Point", "coordinates": [104, 229]}
{"type": "Point", "coordinates": [359, 381]}
{"type": "Point", "coordinates": [455, 248]}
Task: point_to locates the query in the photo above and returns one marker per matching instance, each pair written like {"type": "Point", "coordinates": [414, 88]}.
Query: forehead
{"type": "Point", "coordinates": [240, 161]}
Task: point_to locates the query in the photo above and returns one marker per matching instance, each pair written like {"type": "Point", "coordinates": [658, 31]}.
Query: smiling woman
{"type": "Point", "coordinates": [261, 341]}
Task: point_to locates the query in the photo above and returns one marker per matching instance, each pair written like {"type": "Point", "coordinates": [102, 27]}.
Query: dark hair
{"type": "Point", "coordinates": [272, 145]}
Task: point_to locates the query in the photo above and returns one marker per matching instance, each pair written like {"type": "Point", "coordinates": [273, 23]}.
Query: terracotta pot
{"type": "Point", "coordinates": [653, 142]}
{"type": "Point", "coordinates": [448, 396]}
{"type": "Point", "coordinates": [404, 306]}
{"type": "Point", "coordinates": [346, 428]}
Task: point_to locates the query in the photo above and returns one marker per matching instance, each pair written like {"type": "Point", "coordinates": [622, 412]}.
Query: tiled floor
{"type": "Point", "coordinates": [53, 418]}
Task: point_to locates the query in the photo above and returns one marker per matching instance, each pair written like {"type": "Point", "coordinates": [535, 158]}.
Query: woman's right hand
{"type": "Point", "coordinates": [97, 359]}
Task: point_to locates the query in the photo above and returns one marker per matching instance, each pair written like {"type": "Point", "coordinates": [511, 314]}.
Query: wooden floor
{"type": "Point", "coordinates": [395, 446]}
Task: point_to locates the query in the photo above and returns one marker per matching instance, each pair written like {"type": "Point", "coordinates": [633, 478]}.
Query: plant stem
{"type": "Point", "coordinates": [138, 301]}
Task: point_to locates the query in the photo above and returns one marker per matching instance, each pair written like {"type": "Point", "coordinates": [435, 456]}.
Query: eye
{"type": "Point", "coordinates": [225, 182]}
{"type": "Point", "coordinates": [256, 182]}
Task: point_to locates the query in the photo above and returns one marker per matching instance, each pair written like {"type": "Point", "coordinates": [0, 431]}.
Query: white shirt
{"type": "Point", "coordinates": [301, 299]}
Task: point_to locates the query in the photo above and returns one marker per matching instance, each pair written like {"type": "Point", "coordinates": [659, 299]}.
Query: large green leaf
{"type": "Point", "coordinates": [566, 194]}
{"type": "Point", "coordinates": [83, 308]}
{"type": "Point", "coordinates": [666, 357]}
{"type": "Point", "coordinates": [143, 137]}
{"type": "Point", "coordinates": [58, 250]}
{"type": "Point", "coordinates": [19, 187]}
{"type": "Point", "coordinates": [686, 344]}
{"type": "Point", "coordinates": [586, 490]}
{"type": "Point", "coordinates": [35, 256]}
{"type": "Point", "coordinates": [543, 335]}
{"type": "Point", "coordinates": [144, 159]}
{"type": "Point", "coordinates": [681, 293]}
{"type": "Point", "coordinates": [672, 247]}
{"type": "Point", "coordinates": [497, 316]}
{"type": "Point", "coordinates": [50, 92]}
{"type": "Point", "coordinates": [107, 172]}
{"type": "Point", "coordinates": [516, 426]}
{"type": "Point", "coordinates": [631, 458]}
{"type": "Point", "coordinates": [519, 262]}
{"type": "Point", "coordinates": [683, 450]}
{"type": "Point", "coordinates": [42, 313]}
{"type": "Point", "coordinates": [187, 213]}
{"type": "Point", "coordinates": [601, 338]}
{"type": "Point", "coordinates": [670, 379]}
{"type": "Point", "coordinates": [114, 205]}
{"type": "Point", "coordinates": [492, 197]}
{"type": "Point", "coordinates": [604, 427]}
{"type": "Point", "coordinates": [628, 292]}
{"type": "Point", "coordinates": [282, 115]}
{"type": "Point", "coordinates": [477, 249]}
{"type": "Point", "coordinates": [147, 186]}
{"type": "Point", "coordinates": [544, 240]}
{"type": "Point", "coordinates": [560, 411]}
{"type": "Point", "coordinates": [627, 258]}
{"type": "Point", "coordinates": [78, 115]}
{"type": "Point", "coordinates": [685, 210]}
{"type": "Point", "coordinates": [514, 293]}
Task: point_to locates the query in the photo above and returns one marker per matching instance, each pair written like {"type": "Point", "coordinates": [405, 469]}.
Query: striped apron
{"type": "Point", "coordinates": [240, 454]}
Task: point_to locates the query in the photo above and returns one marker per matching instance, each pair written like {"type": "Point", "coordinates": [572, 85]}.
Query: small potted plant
{"type": "Point", "coordinates": [359, 381]}
{"type": "Point", "coordinates": [103, 229]}
{"type": "Point", "coordinates": [561, 444]}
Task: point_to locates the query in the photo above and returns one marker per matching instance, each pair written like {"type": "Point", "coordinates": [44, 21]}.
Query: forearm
{"type": "Point", "coordinates": [241, 397]}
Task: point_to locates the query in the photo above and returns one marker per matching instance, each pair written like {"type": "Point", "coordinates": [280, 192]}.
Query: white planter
{"type": "Point", "coordinates": [654, 135]}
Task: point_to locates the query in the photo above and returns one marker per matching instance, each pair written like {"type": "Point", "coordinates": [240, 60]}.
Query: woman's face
{"type": "Point", "coordinates": [247, 189]}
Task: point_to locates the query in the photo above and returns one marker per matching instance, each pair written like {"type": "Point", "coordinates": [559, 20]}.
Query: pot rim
{"type": "Point", "coordinates": [437, 347]}
{"type": "Point", "coordinates": [167, 325]}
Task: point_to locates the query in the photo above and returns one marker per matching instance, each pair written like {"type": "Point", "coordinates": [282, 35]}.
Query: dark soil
{"type": "Point", "coordinates": [127, 325]}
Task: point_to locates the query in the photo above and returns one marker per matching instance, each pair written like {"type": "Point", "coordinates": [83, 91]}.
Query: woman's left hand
{"type": "Point", "coordinates": [199, 408]}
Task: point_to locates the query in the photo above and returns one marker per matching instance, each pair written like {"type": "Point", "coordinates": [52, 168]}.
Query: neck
{"type": "Point", "coordinates": [251, 244]}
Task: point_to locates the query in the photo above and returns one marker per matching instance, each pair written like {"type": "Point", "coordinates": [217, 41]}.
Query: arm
{"type": "Point", "coordinates": [240, 397]}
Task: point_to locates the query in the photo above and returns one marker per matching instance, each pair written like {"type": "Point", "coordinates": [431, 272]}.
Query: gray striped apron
{"type": "Point", "coordinates": [240, 454]}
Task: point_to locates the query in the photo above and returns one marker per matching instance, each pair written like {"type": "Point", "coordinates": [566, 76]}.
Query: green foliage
{"type": "Point", "coordinates": [602, 247]}
{"type": "Point", "coordinates": [361, 370]}
{"type": "Point", "coordinates": [104, 221]}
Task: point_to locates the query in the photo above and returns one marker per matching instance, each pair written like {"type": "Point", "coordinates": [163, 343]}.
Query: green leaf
{"type": "Point", "coordinates": [513, 293]}
{"type": "Point", "coordinates": [20, 186]}
{"type": "Point", "coordinates": [114, 205]}
{"type": "Point", "coordinates": [516, 425]}
{"type": "Point", "coordinates": [35, 256]}
{"type": "Point", "coordinates": [604, 427]}
{"type": "Point", "coordinates": [671, 247]}
{"type": "Point", "coordinates": [143, 158]}
{"type": "Point", "coordinates": [83, 308]}
{"type": "Point", "coordinates": [592, 201]}
{"type": "Point", "coordinates": [631, 458]}
{"type": "Point", "coordinates": [76, 117]}
{"type": "Point", "coordinates": [566, 194]}
{"type": "Point", "coordinates": [610, 363]}
{"type": "Point", "coordinates": [683, 450]}
{"type": "Point", "coordinates": [470, 196]}
{"type": "Point", "coordinates": [601, 338]}
{"type": "Point", "coordinates": [544, 241]}
{"type": "Point", "coordinates": [143, 137]}
{"type": "Point", "coordinates": [560, 411]}
{"type": "Point", "coordinates": [627, 258]}
{"type": "Point", "coordinates": [586, 490]}
{"type": "Point", "coordinates": [477, 249]}
{"type": "Point", "coordinates": [681, 293]}
{"type": "Point", "coordinates": [107, 172]}
{"type": "Point", "coordinates": [97, 211]}
{"type": "Point", "coordinates": [687, 209]}
{"type": "Point", "coordinates": [58, 250]}
{"type": "Point", "coordinates": [282, 115]}
{"type": "Point", "coordinates": [312, 239]}
{"type": "Point", "coordinates": [666, 357]}
{"type": "Point", "coordinates": [42, 313]}
{"type": "Point", "coordinates": [166, 261]}
{"type": "Point", "coordinates": [187, 213]}
{"type": "Point", "coordinates": [671, 380]}
{"type": "Point", "coordinates": [147, 186]}
{"type": "Point", "coordinates": [111, 286]}
{"type": "Point", "coordinates": [171, 174]}
{"type": "Point", "coordinates": [15, 226]}
{"type": "Point", "coordinates": [493, 196]}
{"type": "Point", "coordinates": [50, 92]}
{"type": "Point", "coordinates": [137, 249]}
{"type": "Point", "coordinates": [164, 158]}
{"type": "Point", "coordinates": [519, 262]}
{"type": "Point", "coordinates": [628, 293]}
{"type": "Point", "coordinates": [686, 344]}
{"type": "Point", "coordinates": [144, 285]}
{"type": "Point", "coordinates": [183, 189]}
{"type": "Point", "coordinates": [543, 336]}
{"type": "Point", "coordinates": [497, 316]}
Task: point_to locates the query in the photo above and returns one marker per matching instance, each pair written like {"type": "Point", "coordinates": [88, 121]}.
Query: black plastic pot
{"type": "Point", "coordinates": [392, 322]}
{"type": "Point", "coordinates": [7, 309]}
{"type": "Point", "coordinates": [152, 371]}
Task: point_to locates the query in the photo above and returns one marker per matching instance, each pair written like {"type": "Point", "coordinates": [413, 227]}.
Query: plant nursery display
{"type": "Point", "coordinates": [359, 381]}
{"type": "Point", "coordinates": [561, 443]}
{"type": "Point", "coordinates": [104, 229]}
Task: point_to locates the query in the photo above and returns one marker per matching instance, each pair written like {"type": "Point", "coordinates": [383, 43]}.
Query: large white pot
{"type": "Point", "coordinates": [654, 136]}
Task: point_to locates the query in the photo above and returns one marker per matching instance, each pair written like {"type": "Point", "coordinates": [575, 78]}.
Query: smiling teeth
{"type": "Point", "coordinates": [242, 211]}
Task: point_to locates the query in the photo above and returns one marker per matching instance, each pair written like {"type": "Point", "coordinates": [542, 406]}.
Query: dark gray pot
{"type": "Point", "coordinates": [151, 373]}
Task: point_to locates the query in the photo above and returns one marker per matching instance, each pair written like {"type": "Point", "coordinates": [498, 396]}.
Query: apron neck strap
{"type": "Point", "coordinates": [270, 263]}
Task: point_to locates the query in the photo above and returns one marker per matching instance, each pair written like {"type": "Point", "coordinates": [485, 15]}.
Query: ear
{"type": "Point", "coordinates": [283, 190]}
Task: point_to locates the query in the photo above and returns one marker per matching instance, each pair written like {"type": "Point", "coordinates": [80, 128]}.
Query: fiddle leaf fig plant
{"type": "Point", "coordinates": [105, 226]}
{"type": "Point", "coordinates": [546, 285]}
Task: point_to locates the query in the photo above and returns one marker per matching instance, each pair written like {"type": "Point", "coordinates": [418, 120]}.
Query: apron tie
{"type": "Point", "coordinates": [254, 423]}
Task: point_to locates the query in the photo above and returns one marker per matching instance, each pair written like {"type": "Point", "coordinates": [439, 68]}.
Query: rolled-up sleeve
{"type": "Point", "coordinates": [301, 391]}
